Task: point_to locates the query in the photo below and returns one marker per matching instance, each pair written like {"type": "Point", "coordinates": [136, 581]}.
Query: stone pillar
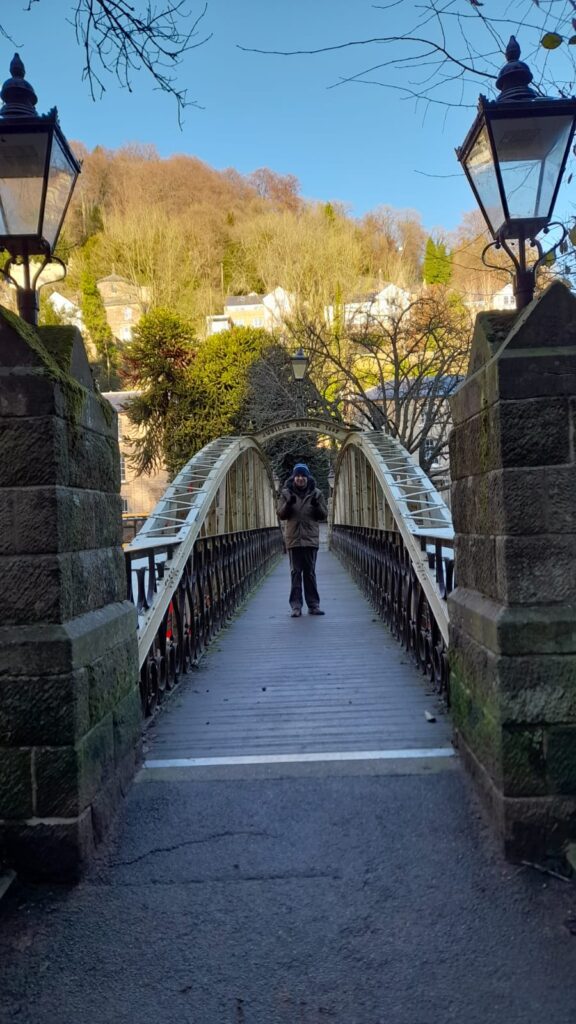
{"type": "Point", "coordinates": [69, 709]}
{"type": "Point", "coordinates": [513, 614]}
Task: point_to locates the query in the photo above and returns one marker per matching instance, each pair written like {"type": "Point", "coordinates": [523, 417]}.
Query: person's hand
{"type": "Point", "coordinates": [314, 501]}
{"type": "Point", "coordinates": [292, 499]}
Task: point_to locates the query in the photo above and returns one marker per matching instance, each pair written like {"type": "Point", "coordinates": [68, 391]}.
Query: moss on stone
{"type": "Point", "coordinates": [58, 342]}
{"type": "Point", "coordinates": [54, 349]}
{"type": "Point", "coordinates": [73, 392]}
{"type": "Point", "coordinates": [523, 761]}
{"type": "Point", "coordinates": [497, 326]}
{"type": "Point", "coordinates": [486, 461]}
{"type": "Point", "coordinates": [477, 720]}
{"type": "Point", "coordinates": [490, 332]}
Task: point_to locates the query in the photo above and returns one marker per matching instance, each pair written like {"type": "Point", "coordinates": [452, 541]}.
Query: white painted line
{"type": "Point", "coordinates": [346, 755]}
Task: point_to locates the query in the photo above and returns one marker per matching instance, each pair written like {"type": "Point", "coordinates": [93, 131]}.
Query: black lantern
{"type": "Point", "coordinates": [38, 172]}
{"type": "Point", "coordinates": [514, 157]}
{"type": "Point", "coordinates": [299, 364]}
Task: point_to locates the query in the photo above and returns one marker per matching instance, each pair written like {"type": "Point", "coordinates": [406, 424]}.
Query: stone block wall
{"type": "Point", "coordinates": [70, 721]}
{"type": "Point", "coordinates": [513, 614]}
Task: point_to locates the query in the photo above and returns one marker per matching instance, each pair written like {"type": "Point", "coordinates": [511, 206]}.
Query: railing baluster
{"type": "Point", "coordinates": [217, 575]}
{"type": "Point", "coordinates": [380, 561]}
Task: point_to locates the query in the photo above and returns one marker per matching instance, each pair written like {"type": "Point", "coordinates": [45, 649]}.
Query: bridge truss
{"type": "Point", "coordinates": [215, 532]}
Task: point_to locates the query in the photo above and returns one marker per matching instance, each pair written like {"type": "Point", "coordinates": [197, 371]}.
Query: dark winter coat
{"type": "Point", "coordinates": [302, 510]}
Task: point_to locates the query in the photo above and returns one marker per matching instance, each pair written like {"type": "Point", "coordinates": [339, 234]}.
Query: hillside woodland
{"type": "Point", "coordinates": [191, 234]}
{"type": "Point", "coordinates": [186, 235]}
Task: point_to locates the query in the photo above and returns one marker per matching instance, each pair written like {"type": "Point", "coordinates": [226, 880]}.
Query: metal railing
{"type": "Point", "coordinates": [215, 532]}
{"type": "Point", "coordinates": [394, 532]}
{"type": "Point", "coordinates": [211, 536]}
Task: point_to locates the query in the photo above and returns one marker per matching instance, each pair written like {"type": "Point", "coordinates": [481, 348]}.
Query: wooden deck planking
{"type": "Point", "coordinates": [270, 684]}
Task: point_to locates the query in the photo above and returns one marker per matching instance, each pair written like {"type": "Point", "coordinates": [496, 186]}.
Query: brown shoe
{"type": "Point", "coordinates": [296, 613]}
{"type": "Point", "coordinates": [316, 611]}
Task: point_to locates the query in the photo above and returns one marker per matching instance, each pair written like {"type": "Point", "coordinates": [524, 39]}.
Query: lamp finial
{"type": "Point", "coordinates": [512, 51]}
{"type": "Point", "coordinates": [515, 77]}
{"type": "Point", "coordinates": [18, 95]}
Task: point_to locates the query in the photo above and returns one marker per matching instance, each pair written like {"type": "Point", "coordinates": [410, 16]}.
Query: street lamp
{"type": "Point", "coordinates": [299, 364]}
{"type": "Point", "coordinates": [38, 172]}
{"type": "Point", "coordinates": [514, 157]}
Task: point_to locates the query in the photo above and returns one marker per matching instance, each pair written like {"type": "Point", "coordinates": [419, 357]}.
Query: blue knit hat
{"type": "Point", "coordinates": [301, 469]}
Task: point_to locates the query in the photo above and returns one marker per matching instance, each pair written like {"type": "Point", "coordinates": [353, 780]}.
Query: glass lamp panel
{"type": "Point", "coordinates": [530, 151]}
{"type": "Point", "coordinates": [22, 163]}
{"type": "Point", "coordinates": [299, 365]}
{"type": "Point", "coordinates": [61, 180]}
{"type": "Point", "coordinates": [480, 167]}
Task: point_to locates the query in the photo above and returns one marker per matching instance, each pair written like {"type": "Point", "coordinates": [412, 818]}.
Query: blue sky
{"type": "Point", "coordinates": [358, 144]}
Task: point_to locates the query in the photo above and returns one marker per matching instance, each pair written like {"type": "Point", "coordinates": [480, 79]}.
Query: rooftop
{"type": "Point", "coordinates": [243, 300]}
{"type": "Point", "coordinates": [119, 399]}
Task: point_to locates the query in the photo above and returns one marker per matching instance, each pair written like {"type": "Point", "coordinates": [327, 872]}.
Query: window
{"type": "Point", "coordinates": [124, 504]}
{"type": "Point", "coordinates": [127, 313]}
{"type": "Point", "coordinates": [257, 322]}
{"type": "Point", "coordinates": [429, 446]}
{"type": "Point", "coordinates": [123, 469]}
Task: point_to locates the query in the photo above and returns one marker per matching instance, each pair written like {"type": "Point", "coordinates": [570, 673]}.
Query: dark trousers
{"type": "Point", "coordinates": [303, 566]}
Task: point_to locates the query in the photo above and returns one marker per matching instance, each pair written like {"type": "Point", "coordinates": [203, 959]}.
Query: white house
{"type": "Point", "coordinates": [245, 310]}
{"type": "Point", "coordinates": [218, 323]}
{"type": "Point", "coordinates": [67, 309]}
{"type": "Point", "coordinates": [278, 306]}
{"type": "Point", "coordinates": [361, 309]}
{"type": "Point", "coordinates": [253, 310]}
{"type": "Point", "coordinates": [503, 299]}
{"type": "Point", "coordinates": [392, 299]}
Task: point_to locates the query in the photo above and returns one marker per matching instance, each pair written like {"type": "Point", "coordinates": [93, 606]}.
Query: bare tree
{"type": "Point", "coordinates": [443, 51]}
{"type": "Point", "coordinates": [396, 371]}
{"type": "Point", "coordinates": [120, 37]}
{"type": "Point", "coordinates": [274, 396]}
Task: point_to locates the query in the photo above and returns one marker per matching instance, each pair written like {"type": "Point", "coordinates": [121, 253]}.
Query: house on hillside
{"type": "Point", "coordinates": [391, 300]}
{"type": "Point", "coordinates": [503, 299]}
{"type": "Point", "coordinates": [245, 310]}
{"type": "Point", "coordinates": [217, 323]}
{"type": "Point", "coordinates": [71, 313]}
{"type": "Point", "coordinates": [140, 494]}
{"type": "Point", "coordinates": [67, 310]}
{"type": "Point", "coordinates": [359, 310]}
{"type": "Point", "coordinates": [279, 306]}
{"type": "Point", "coordinates": [124, 304]}
{"type": "Point", "coordinates": [253, 310]}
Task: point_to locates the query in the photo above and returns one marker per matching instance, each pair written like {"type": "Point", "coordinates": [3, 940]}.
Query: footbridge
{"type": "Point", "coordinates": [299, 842]}
{"type": "Point", "coordinates": [374, 667]}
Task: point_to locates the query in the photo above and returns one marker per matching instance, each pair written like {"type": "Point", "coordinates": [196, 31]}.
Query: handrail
{"type": "Point", "coordinates": [416, 506]}
{"type": "Point", "coordinates": [159, 554]}
{"type": "Point", "coordinates": [393, 530]}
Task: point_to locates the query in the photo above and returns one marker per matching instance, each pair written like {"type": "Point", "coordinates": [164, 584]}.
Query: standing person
{"type": "Point", "coordinates": [303, 507]}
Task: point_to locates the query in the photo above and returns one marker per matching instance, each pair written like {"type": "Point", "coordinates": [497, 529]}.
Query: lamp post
{"type": "Point", "coordinates": [514, 157]}
{"type": "Point", "coordinates": [299, 363]}
{"type": "Point", "coordinates": [38, 172]}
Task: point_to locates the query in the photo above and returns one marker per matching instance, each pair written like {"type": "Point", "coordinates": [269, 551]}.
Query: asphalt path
{"type": "Point", "coordinates": [343, 893]}
{"type": "Point", "coordinates": [354, 889]}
